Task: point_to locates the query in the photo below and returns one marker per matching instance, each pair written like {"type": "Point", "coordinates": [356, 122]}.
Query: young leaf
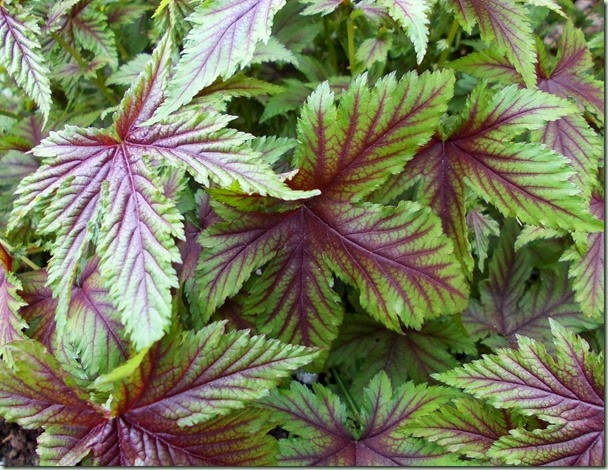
{"type": "Point", "coordinates": [325, 438]}
{"type": "Point", "coordinates": [503, 24]}
{"type": "Point", "coordinates": [174, 408]}
{"type": "Point", "coordinates": [92, 174]}
{"type": "Point", "coordinates": [11, 323]}
{"type": "Point", "coordinates": [522, 180]}
{"type": "Point", "coordinates": [565, 390]}
{"type": "Point", "coordinates": [395, 256]}
{"type": "Point", "coordinates": [20, 55]}
{"type": "Point", "coordinates": [222, 39]}
{"type": "Point", "coordinates": [481, 227]}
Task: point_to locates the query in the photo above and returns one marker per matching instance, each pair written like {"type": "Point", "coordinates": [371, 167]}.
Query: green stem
{"type": "Point", "coordinates": [10, 114]}
{"type": "Point", "coordinates": [99, 80]}
{"type": "Point", "coordinates": [350, 401]}
{"type": "Point", "coordinates": [350, 35]}
{"type": "Point", "coordinates": [449, 40]}
{"type": "Point", "coordinates": [11, 249]}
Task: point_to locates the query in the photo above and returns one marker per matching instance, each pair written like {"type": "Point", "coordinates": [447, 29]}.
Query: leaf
{"type": "Point", "coordinates": [566, 390]}
{"type": "Point", "coordinates": [373, 50]}
{"type": "Point", "coordinates": [503, 24]}
{"type": "Point", "coordinates": [395, 256]}
{"type": "Point", "coordinates": [323, 7]}
{"type": "Point", "coordinates": [481, 227]}
{"type": "Point", "coordinates": [466, 426]}
{"type": "Point", "coordinates": [92, 325]}
{"type": "Point", "coordinates": [97, 179]}
{"type": "Point", "coordinates": [588, 269]}
{"type": "Point", "coordinates": [175, 408]}
{"type": "Point", "coordinates": [222, 39]}
{"type": "Point", "coordinates": [569, 77]}
{"type": "Point", "coordinates": [20, 55]}
{"type": "Point", "coordinates": [272, 51]}
{"type": "Point", "coordinates": [413, 16]}
{"type": "Point", "coordinates": [325, 438]}
{"type": "Point", "coordinates": [365, 348]}
{"type": "Point", "coordinates": [522, 180]}
{"type": "Point", "coordinates": [509, 307]}
{"type": "Point", "coordinates": [11, 323]}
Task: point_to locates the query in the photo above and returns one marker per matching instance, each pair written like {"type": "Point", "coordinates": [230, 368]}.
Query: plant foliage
{"type": "Point", "coordinates": [303, 232]}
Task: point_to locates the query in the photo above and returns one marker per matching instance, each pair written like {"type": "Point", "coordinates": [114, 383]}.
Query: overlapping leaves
{"type": "Point", "coordinates": [327, 437]}
{"type": "Point", "coordinates": [477, 150]}
{"type": "Point", "coordinates": [104, 179]}
{"type": "Point", "coordinates": [395, 256]}
{"type": "Point", "coordinates": [177, 404]}
{"type": "Point", "coordinates": [565, 390]}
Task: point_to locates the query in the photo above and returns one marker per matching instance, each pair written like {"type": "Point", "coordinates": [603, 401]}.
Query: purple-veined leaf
{"type": "Point", "coordinates": [570, 77]}
{"type": "Point", "coordinates": [412, 15]}
{"type": "Point", "coordinates": [509, 307]}
{"type": "Point", "coordinates": [176, 407]}
{"type": "Point", "coordinates": [325, 438]}
{"type": "Point", "coordinates": [566, 390]}
{"type": "Point", "coordinates": [523, 180]}
{"type": "Point", "coordinates": [365, 348]}
{"type": "Point", "coordinates": [466, 426]}
{"type": "Point", "coordinates": [372, 10]}
{"type": "Point", "coordinates": [373, 50]}
{"type": "Point", "coordinates": [102, 178]}
{"type": "Point", "coordinates": [20, 55]}
{"type": "Point", "coordinates": [92, 325]}
{"type": "Point", "coordinates": [588, 268]}
{"type": "Point", "coordinates": [503, 24]}
{"type": "Point", "coordinates": [570, 136]}
{"type": "Point", "coordinates": [222, 39]}
{"type": "Point", "coordinates": [395, 256]}
{"type": "Point", "coordinates": [11, 323]}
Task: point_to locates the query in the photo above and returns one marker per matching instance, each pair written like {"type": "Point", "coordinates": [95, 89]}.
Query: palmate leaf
{"type": "Point", "coordinates": [569, 77]}
{"type": "Point", "coordinates": [395, 256]}
{"type": "Point", "coordinates": [522, 180]}
{"type": "Point", "coordinates": [503, 24]}
{"type": "Point", "coordinates": [20, 55]}
{"type": "Point", "coordinates": [566, 390]}
{"type": "Point", "coordinates": [92, 327]}
{"type": "Point", "coordinates": [222, 39]}
{"type": "Point", "coordinates": [364, 348]}
{"type": "Point", "coordinates": [97, 178]}
{"type": "Point", "coordinates": [509, 306]}
{"type": "Point", "coordinates": [11, 323]}
{"type": "Point", "coordinates": [176, 407]}
{"type": "Point", "coordinates": [325, 438]}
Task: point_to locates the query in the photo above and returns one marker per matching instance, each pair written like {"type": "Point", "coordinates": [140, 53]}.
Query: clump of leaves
{"type": "Point", "coordinates": [313, 232]}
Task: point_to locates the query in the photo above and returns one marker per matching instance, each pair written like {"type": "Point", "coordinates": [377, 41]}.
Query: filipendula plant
{"type": "Point", "coordinates": [316, 232]}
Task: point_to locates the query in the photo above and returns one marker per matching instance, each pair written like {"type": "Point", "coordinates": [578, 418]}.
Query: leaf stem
{"type": "Point", "coordinates": [449, 40]}
{"type": "Point", "coordinates": [99, 80]}
{"type": "Point", "coordinates": [4, 112]}
{"type": "Point", "coordinates": [350, 35]}
{"type": "Point", "coordinates": [350, 401]}
{"type": "Point", "coordinates": [11, 249]}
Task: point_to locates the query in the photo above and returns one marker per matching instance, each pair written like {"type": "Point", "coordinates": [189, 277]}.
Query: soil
{"type": "Point", "coordinates": [17, 445]}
